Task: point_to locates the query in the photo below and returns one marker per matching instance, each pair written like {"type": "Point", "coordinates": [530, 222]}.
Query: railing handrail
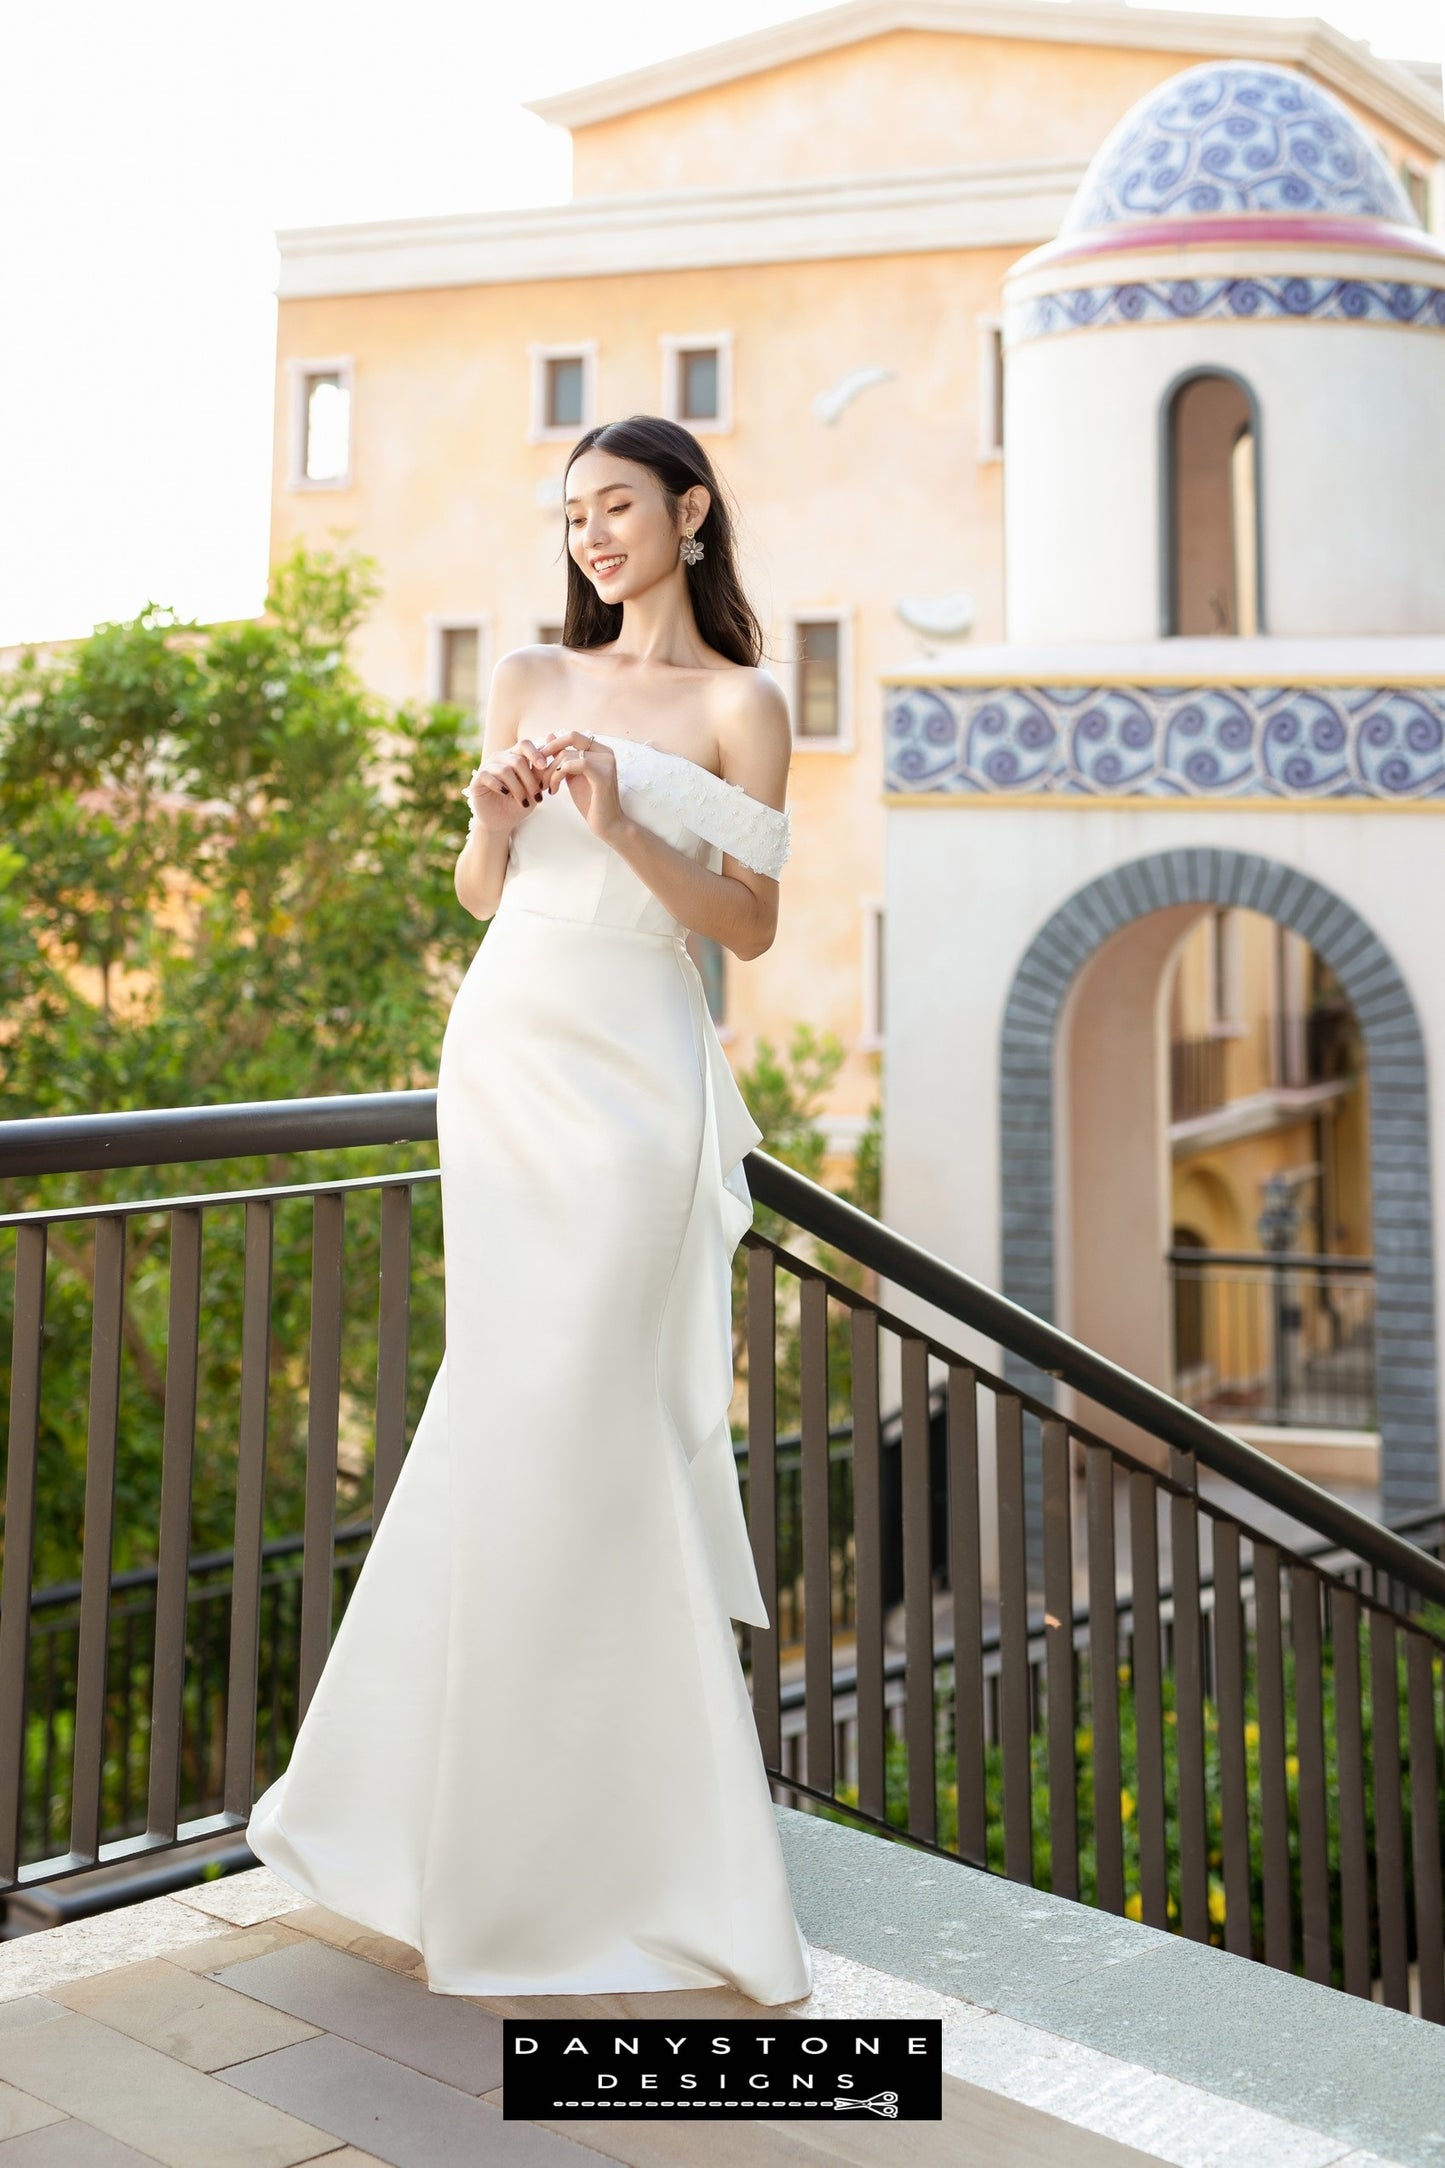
{"type": "Point", "coordinates": [73, 1143]}
{"type": "Point", "coordinates": [161, 1136]}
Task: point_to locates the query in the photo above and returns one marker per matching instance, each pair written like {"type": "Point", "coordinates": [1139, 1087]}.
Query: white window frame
{"type": "Point", "coordinates": [539, 625]}
{"type": "Point", "coordinates": [440, 622]}
{"type": "Point", "coordinates": [583, 350]}
{"type": "Point", "coordinates": [873, 1035]}
{"type": "Point", "coordinates": [300, 371]}
{"type": "Point", "coordinates": [990, 387]}
{"type": "Point", "coordinates": [674, 343]}
{"type": "Point", "coordinates": [843, 618]}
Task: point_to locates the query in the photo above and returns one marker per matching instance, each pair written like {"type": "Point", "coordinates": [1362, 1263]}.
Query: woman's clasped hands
{"type": "Point", "coordinates": [508, 785]}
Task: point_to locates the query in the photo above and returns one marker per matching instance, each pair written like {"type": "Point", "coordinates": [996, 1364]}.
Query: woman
{"type": "Point", "coordinates": [531, 1754]}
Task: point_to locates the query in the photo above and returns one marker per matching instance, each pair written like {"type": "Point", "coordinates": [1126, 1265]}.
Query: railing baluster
{"type": "Point", "coordinates": [173, 1570]}
{"type": "Point", "coordinates": [393, 1340]}
{"type": "Point", "coordinates": [965, 1573]}
{"type": "Point", "coordinates": [1273, 1793]}
{"type": "Point", "coordinates": [1104, 1679]}
{"type": "Point", "coordinates": [762, 1326]}
{"type": "Point", "coordinates": [97, 1557]}
{"type": "Point", "coordinates": [1059, 1660]}
{"type": "Point", "coordinates": [1350, 1775]}
{"type": "Point", "coordinates": [323, 1411]}
{"type": "Point", "coordinates": [1189, 1700]}
{"type": "Point", "coordinates": [1314, 1856]}
{"type": "Point", "coordinates": [868, 1561]}
{"type": "Point", "coordinates": [1013, 1635]}
{"type": "Point", "coordinates": [1148, 1698]}
{"type": "Point", "coordinates": [1389, 1830]}
{"type": "Point", "coordinates": [817, 1551]}
{"type": "Point", "coordinates": [1233, 1772]}
{"type": "Point", "coordinates": [1425, 1825]}
{"type": "Point", "coordinates": [27, 1340]}
{"type": "Point", "coordinates": [250, 1507]}
{"type": "Point", "coordinates": [918, 1591]}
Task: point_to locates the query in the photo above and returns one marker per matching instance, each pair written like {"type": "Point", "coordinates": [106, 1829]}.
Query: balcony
{"type": "Point", "coordinates": [1075, 1751]}
{"type": "Point", "coordinates": [1275, 1338]}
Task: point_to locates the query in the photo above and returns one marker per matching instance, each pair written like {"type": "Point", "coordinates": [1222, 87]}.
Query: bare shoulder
{"type": "Point", "coordinates": [526, 665]}
{"type": "Point", "coordinates": [518, 677]}
{"type": "Point", "coordinates": [754, 731]}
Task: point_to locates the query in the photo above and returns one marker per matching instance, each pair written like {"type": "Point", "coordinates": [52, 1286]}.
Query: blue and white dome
{"type": "Point", "coordinates": [1233, 138]}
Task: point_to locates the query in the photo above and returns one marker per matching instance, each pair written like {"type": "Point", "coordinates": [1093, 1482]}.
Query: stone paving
{"type": "Point", "coordinates": [236, 2025]}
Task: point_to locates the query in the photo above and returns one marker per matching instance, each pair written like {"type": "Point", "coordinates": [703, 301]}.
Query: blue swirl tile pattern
{"type": "Point", "coordinates": [1138, 741]}
{"type": "Point", "coordinates": [1173, 301]}
{"type": "Point", "coordinates": [1237, 136]}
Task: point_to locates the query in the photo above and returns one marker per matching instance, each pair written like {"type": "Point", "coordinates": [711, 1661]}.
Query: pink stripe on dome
{"type": "Point", "coordinates": [1256, 228]}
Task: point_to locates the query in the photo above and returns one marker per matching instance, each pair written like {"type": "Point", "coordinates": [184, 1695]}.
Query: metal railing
{"type": "Point", "coordinates": [1196, 1076]}
{"type": "Point", "coordinates": [1191, 1721]}
{"type": "Point", "coordinates": [1275, 1337]}
{"type": "Point", "coordinates": [1315, 1046]}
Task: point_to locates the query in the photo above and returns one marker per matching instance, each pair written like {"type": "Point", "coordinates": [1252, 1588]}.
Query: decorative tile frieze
{"type": "Point", "coordinates": [1380, 743]}
{"type": "Point", "coordinates": [1410, 304]}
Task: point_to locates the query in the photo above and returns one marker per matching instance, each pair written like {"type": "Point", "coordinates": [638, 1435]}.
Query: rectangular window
{"type": "Point", "coordinates": [697, 384]}
{"type": "Point", "coordinates": [564, 393]}
{"type": "Point", "coordinates": [1225, 962]}
{"type": "Point", "coordinates": [549, 635]}
{"type": "Point", "coordinates": [818, 707]}
{"type": "Point", "coordinates": [461, 665]}
{"type": "Point", "coordinates": [697, 371]}
{"type": "Point", "coordinates": [873, 1015]}
{"type": "Point", "coordinates": [990, 389]}
{"type": "Point", "coordinates": [456, 660]}
{"type": "Point", "coordinates": [321, 425]}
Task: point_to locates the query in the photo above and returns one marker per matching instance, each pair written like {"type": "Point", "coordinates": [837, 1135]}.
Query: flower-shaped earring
{"type": "Point", "coordinates": [691, 550]}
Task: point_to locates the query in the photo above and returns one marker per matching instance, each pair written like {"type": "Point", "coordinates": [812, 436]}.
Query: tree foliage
{"type": "Point", "coordinates": [226, 874]}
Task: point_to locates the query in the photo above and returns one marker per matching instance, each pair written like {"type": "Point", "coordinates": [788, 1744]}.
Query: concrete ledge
{"type": "Point", "coordinates": [1187, 2053]}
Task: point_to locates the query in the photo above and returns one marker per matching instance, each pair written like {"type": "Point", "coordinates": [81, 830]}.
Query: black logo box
{"type": "Point", "coordinates": [671, 2068]}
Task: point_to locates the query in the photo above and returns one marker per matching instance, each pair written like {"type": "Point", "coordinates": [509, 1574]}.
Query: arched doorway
{"type": "Point", "coordinates": [1399, 1147]}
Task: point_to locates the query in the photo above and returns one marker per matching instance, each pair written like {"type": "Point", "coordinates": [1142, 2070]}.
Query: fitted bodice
{"type": "Point", "coordinates": [558, 867]}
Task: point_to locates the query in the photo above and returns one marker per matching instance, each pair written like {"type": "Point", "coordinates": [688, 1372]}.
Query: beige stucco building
{"type": "Point", "coordinates": [796, 241]}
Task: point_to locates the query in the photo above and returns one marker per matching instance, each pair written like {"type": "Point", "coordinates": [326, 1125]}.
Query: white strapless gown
{"type": "Point", "coordinates": [531, 1754]}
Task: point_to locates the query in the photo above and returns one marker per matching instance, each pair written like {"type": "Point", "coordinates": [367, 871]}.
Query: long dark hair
{"type": "Point", "coordinates": [725, 617]}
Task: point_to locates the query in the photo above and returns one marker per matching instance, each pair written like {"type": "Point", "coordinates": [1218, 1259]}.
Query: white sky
{"type": "Point", "coordinates": [149, 151]}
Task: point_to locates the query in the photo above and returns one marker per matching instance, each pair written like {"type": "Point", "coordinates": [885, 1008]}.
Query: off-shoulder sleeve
{"type": "Point", "coordinates": [723, 813]}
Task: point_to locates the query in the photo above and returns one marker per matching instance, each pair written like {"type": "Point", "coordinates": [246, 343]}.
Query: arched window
{"type": "Point", "coordinates": [1211, 539]}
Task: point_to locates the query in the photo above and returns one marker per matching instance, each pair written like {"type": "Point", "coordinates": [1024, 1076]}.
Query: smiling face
{"type": "Point", "coordinates": [619, 526]}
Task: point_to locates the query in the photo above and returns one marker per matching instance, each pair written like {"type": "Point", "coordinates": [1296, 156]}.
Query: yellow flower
{"type": "Point", "coordinates": [1084, 1740]}
{"type": "Point", "coordinates": [1123, 1674]}
{"type": "Point", "coordinates": [1126, 1805]}
{"type": "Point", "coordinates": [1134, 1906]}
{"type": "Point", "coordinates": [1291, 1765]}
{"type": "Point", "coordinates": [1251, 1735]}
{"type": "Point", "coordinates": [1170, 1717]}
{"type": "Point", "coordinates": [1216, 1904]}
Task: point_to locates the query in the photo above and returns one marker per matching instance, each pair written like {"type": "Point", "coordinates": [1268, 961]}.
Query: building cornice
{"type": "Point", "coordinates": [928, 208]}
{"type": "Point", "coordinates": [1393, 91]}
